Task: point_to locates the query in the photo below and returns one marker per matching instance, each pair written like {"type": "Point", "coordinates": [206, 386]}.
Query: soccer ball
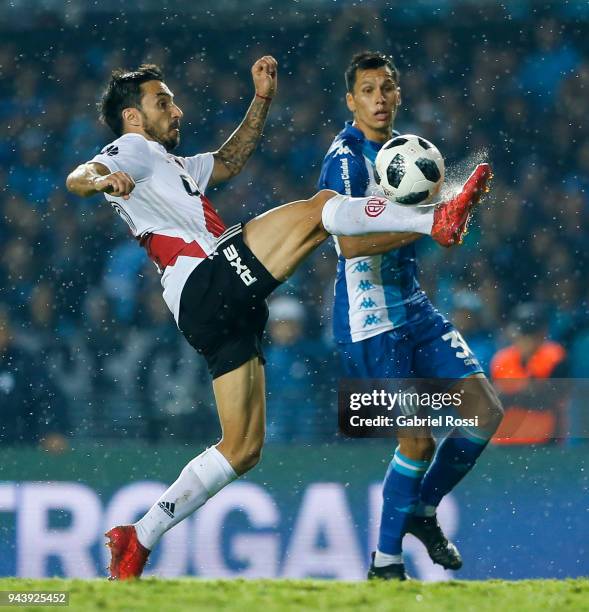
{"type": "Point", "coordinates": [409, 169]}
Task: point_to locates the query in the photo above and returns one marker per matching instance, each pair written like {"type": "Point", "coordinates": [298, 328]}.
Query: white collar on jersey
{"type": "Point", "coordinates": [158, 145]}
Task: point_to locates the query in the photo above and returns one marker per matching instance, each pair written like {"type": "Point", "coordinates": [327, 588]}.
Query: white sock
{"type": "Point", "coordinates": [204, 476]}
{"type": "Point", "coordinates": [346, 216]}
{"type": "Point", "coordinates": [424, 510]}
{"type": "Point", "coordinates": [382, 559]}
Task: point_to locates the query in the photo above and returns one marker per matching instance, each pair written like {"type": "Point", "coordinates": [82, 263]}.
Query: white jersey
{"type": "Point", "coordinates": [167, 211]}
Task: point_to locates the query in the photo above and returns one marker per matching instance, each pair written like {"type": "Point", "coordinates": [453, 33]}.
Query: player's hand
{"type": "Point", "coordinates": [118, 184]}
{"type": "Point", "coordinates": [265, 75]}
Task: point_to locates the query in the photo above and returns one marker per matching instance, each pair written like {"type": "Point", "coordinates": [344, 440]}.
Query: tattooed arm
{"type": "Point", "coordinates": [231, 157]}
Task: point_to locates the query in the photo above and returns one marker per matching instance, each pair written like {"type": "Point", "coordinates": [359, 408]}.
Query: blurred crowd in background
{"type": "Point", "coordinates": [81, 311]}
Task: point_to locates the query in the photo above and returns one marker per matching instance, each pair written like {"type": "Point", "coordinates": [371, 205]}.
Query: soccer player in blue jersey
{"type": "Point", "coordinates": [386, 327]}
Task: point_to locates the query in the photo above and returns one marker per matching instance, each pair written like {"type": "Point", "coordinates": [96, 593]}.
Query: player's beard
{"type": "Point", "coordinates": [170, 140]}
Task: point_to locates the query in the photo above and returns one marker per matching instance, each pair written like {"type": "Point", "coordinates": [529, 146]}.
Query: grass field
{"type": "Point", "coordinates": [278, 595]}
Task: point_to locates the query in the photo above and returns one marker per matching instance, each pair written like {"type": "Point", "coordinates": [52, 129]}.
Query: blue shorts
{"type": "Point", "coordinates": [427, 346]}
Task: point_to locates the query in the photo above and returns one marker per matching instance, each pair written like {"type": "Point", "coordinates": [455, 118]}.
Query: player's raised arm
{"type": "Point", "coordinates": [232, 155]}
{"type": "Point", "coordinates": [91, 178]}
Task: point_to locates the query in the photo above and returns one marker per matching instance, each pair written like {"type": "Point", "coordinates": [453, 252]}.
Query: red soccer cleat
{"type": "Point", "coordinates": [451, 218]}
{"type": "Point", "coordinates": [128, 555]}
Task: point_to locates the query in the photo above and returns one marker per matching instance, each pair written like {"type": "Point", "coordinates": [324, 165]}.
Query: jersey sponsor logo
{"type": "Point", "coordinates": [371, 319]}
{"type": "Point", "coordinates": [345, 175]}
{"type": "Point", "coordinates": [375, 206]}
{"type": "Point", "coordinates": [463, 350]}
{"type": "Point", "coordinates": [242, 270]}
{"type": "Point", "coordinates": [110, 150]}
{"type": "Point", "coordinates": [365, 285]}
{"type": "Point", "coordinates": [362, 266]}
{"type": "Point", "coordinates": [368, 303]}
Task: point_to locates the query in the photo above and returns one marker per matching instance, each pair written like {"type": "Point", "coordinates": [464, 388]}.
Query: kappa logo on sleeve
{"type": "Point", "coordinates": [375, 206]}
{"type": "Point", "coordinates": [110, 150]}
{"type": "Point", "coordinates": [242, 270]}
{"type": "Point", "coordinates": [342, 149]}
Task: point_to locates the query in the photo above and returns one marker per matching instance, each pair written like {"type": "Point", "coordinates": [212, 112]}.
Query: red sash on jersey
{"type": "Point", "coordinates": [212, 220]}
{"type": "Point", "coordinates": [165, 250]}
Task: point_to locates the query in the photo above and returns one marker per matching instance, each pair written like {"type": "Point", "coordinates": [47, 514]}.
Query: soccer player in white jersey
{"type": "Point", "coordinates": [215, 279]}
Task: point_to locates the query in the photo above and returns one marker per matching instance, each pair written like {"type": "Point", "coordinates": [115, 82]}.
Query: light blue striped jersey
{"type": "Point", "coordinates": [371, 293]}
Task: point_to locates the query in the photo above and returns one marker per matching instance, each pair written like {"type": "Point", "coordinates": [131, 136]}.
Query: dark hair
{"type": "Point", "coordinates": [365, 61]}
{"type": "Point", "coordinates": [124, 91]}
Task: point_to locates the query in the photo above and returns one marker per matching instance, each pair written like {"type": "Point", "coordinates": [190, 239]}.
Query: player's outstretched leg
{"type": "Point", "coordinates": [241, 406]}
{"type": "Point", "coordinates": [286, 235]}
{"type": "Point", "coordinates": [446, 222]}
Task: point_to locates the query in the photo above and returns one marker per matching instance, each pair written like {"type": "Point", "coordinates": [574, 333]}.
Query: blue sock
{"type": "Point", "coordinates": [455, 457]}
{"type": "Point", "coordinates": [400, 494]}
